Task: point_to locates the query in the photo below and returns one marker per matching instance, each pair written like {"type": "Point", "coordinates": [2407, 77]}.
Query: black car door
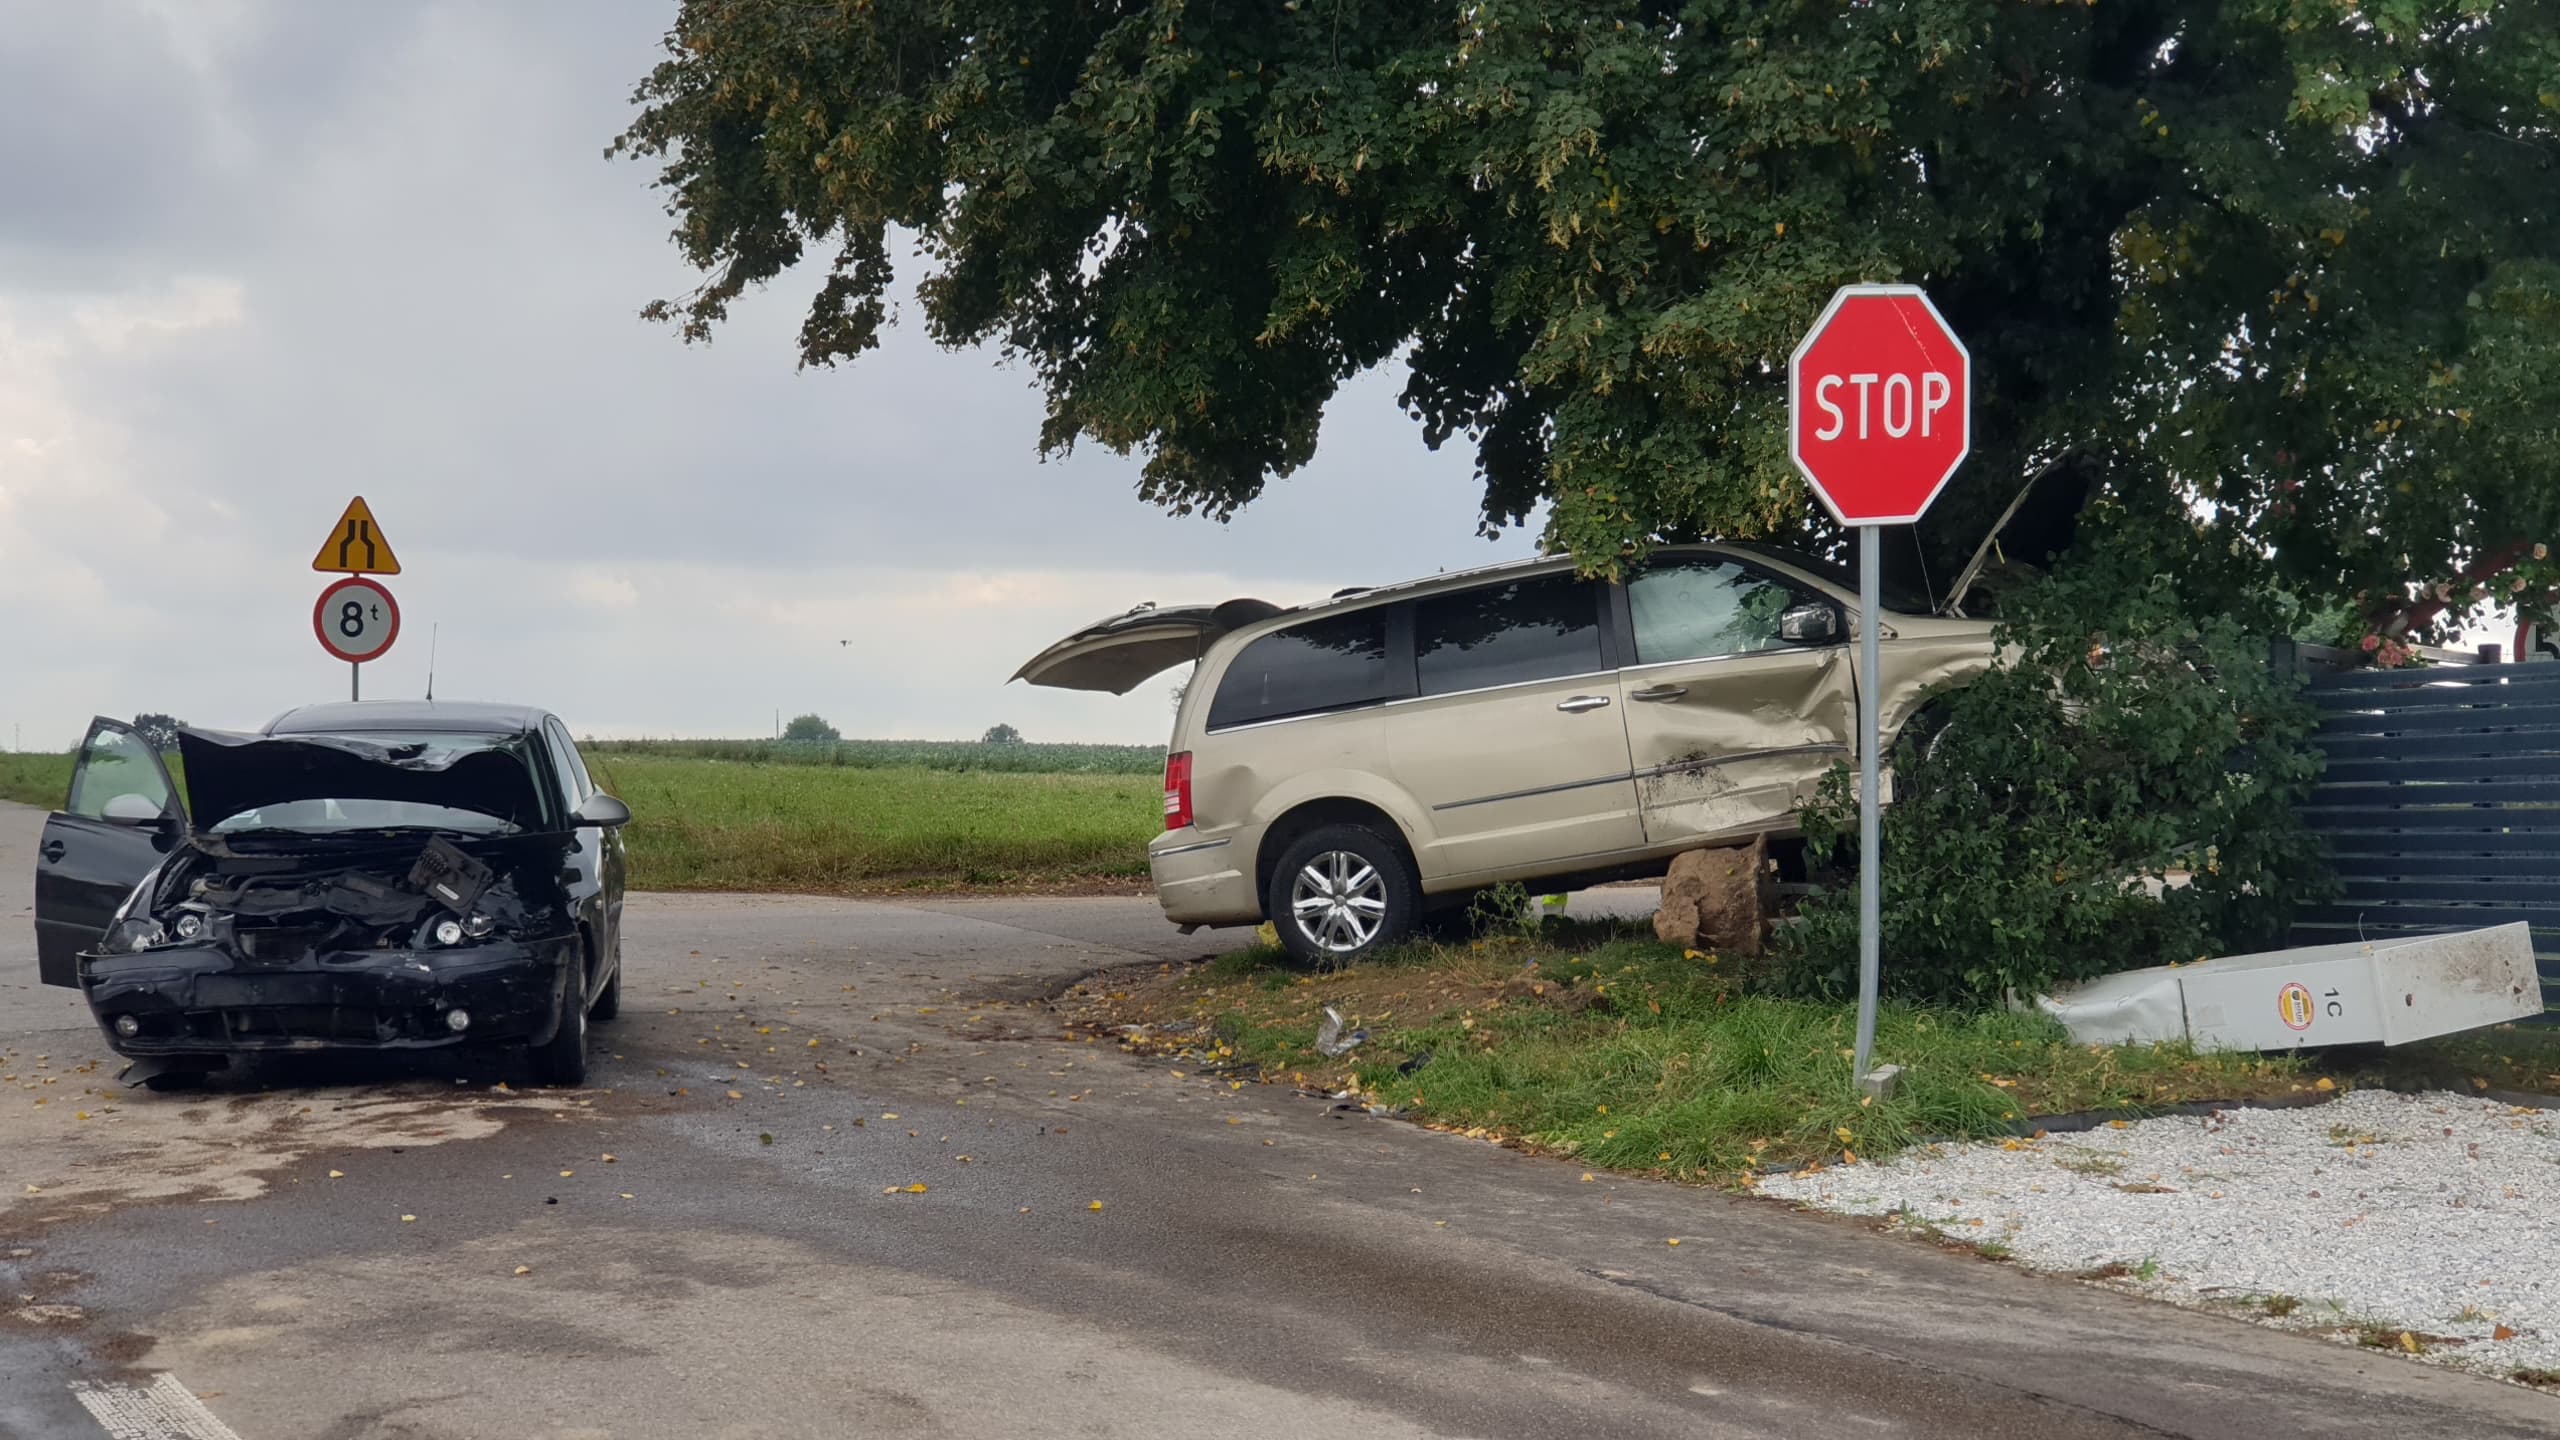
{"type": "Point", "coordinates": [122, 815]}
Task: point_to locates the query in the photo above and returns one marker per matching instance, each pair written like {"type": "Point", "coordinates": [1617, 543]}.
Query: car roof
{"type": "Point", "coordinates": [445, 716]}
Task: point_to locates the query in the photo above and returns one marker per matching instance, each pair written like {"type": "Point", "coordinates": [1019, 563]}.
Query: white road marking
{"type": "Point", "coordinates": [162, 1410]}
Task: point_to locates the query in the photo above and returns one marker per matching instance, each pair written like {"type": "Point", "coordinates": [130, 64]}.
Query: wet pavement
{"type": "Point", "coordinates": [360, 1250]}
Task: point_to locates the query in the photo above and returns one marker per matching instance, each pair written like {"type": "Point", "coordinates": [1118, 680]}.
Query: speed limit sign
{"type": "Point", "coordinates": [356, 620]}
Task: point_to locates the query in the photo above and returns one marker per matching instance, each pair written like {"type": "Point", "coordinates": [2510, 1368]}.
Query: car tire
{"type": "Point", "coordinates": [562, 1060]}
{"type": "Point", "coordinates": [609, 1003]}
{"type": "Point", "coordinates": [1341, 892]}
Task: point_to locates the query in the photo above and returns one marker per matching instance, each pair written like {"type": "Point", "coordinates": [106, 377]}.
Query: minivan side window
{"type": "Point", "coordinates": [1334, 663]}
{"type": "Point", "coordinates": [1697, 608]}
{"type": "Point", "coordinates": [1538, 629]}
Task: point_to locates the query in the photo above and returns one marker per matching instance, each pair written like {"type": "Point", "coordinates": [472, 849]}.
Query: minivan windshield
{"type": "Point", "coordinates": [1901, 599]}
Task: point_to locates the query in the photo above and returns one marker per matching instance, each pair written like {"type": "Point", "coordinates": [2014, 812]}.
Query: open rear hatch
{"type": "Point", "coordinates": [1121, 653]}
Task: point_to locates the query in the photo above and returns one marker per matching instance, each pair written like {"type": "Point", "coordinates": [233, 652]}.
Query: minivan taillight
{"type": "Point", "coordinates": [1177, 790]}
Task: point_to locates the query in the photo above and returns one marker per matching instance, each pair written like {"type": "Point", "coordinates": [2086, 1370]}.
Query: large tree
{"type": "Point", "coordinates": [2296, 258]}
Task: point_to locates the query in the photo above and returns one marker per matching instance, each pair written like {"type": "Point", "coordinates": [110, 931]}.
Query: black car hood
{"type": "Point", "coordinates": [229, 773]}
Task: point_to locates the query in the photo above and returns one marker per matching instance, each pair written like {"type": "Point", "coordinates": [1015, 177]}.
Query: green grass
{"type": "Point", "coordinates": [1633, 1055]}
{"type": "Point", "coordinates": [726, 825]}
{"type": "Point", "coordinates": [35, 779]}
{"type": "Point", "coordinates": [959, 755]}
{"type": "Point", "coordinates": [723, 824]}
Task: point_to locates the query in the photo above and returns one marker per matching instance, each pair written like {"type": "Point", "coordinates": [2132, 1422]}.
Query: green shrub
{"type": "Point", "coordinates": [2127, 737]}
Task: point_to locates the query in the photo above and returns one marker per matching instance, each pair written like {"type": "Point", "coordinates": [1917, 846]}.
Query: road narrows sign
{"type": "Point", "coordinates": [1879, 414]}
{"type": "Point", "coordinates": [1879, 404]}
{"type": "Point", "coordinates": [356, 620]}
{"type": "Point", "coordinates": [357, 546]}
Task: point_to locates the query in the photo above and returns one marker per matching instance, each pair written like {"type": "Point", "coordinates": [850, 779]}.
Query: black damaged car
{"type": "Point", "coordinates": [387, 875]}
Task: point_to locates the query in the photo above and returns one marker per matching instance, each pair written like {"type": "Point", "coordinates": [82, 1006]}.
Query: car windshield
{"type": "Point", "coordinates": [323, 814]}
{"type": "Point", "coordinates": [1900, 599]}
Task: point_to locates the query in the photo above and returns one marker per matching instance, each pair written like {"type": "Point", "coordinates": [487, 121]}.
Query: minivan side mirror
{"type": "Point", "coordinates": [602, 809]}
{"type": "Point", "coordinates": [1815, 624]}
{"type": "Point", "coordinates": [133, 810]}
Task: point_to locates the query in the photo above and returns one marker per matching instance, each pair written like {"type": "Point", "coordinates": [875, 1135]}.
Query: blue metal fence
{"type": "Point", "coordinates": [2441, 802]}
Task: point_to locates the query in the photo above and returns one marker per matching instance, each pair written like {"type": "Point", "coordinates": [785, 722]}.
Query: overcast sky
{"type": "Point", "coordinates": [257, 256]}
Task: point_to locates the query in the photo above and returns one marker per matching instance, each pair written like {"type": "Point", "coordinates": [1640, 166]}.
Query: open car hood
{"type": "Point", "coordinates": [229, 773]}
{"type": "Point", "coordinates": [1121, 653]}
{"type": "Point", "coordinates": [2038, 526]}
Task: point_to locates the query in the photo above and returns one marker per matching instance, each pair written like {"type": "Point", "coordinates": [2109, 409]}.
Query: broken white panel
{"type": "Point", "coordinates": [2357, 992]}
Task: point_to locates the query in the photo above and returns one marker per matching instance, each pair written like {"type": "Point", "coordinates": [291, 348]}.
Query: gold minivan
{"type": "Point", "coordinates": [1352, 769]}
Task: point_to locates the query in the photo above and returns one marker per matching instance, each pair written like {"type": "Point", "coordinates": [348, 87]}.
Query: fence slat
{"type": "Point", "coordinates": [2502, 740]}
{"type": "Point", "coordinates": [2522, 795]}
{"type": "Point", "coordinates": [2441, 763]}
{"type": "Point", "coordinates": [2499, 676]}
{"type": "Point", "coordinates": [2444, 890]}
{"type": "Point", "coordinates": [2436, 719]}
{"type": "Point", "coordinates": [2387, 863]}
{"type": "Point", "coordinates": [2539, 917]}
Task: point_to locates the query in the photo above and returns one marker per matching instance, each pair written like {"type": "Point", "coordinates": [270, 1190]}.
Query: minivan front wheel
{"type": "Point", "coordinates": [1341, 892]}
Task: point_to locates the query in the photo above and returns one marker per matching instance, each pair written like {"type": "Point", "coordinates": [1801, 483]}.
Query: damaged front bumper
{"type": "Point", "coordinates": [202, 1000]}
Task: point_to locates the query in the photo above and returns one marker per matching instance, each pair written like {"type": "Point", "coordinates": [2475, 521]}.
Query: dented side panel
{"type": "Point", "coordinates": [1746, 740]}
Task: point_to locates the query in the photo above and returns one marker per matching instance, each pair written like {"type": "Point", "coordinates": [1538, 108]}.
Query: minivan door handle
{"type": "Point", "coordinates": [1655, 694]}
{"type": "Point", "coordinates": [1580, 703]}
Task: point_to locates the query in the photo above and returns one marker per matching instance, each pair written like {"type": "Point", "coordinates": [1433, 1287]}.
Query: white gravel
{"type": "Point", "coordinates": [2436, 1214]}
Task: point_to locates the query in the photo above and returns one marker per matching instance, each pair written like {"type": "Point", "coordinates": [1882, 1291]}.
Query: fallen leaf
{"type": "Point", "coordinates": [565, 1174]}
{"type": "Point", "coordinates": [2409, 1343]}
{"type": "Point", "coordinates": [916, 1189]}
{"type": "Point", "coordinates": [2324, 1083]}
{"type": "Point", "coordinates": [734, 1095]}
{"type": "Point", "coordinates": [1096, 1206]}
{"type": "Point", "coordinates": [408, 1219]}
{"type": "Point", "coordinates": [1586, 1177]}
{"type": "Point", "coordinates": [524, 1269]}
{"type": "Point", "coordinates": [1672, 1241]}
{"type": "Point", "coordinates": [2503, 1332]}
{"type": "Point", "coordinates": [337, 1174]}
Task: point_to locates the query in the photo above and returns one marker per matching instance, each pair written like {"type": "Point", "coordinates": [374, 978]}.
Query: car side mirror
{"type": "Point", "coordinates": [133, 810]}
{"type": "Point", "coordinates": [602, 809]}
{"type": "Point", "coordinates": [1809, 625]}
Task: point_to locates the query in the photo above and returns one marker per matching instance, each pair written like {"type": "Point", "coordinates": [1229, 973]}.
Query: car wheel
{"type": "Point", "coordinates": [562, 1060]}
{"type": "Point", "coordinates": [608, 1004]}
{"type": "Point", "coordinates": [1341, 892]}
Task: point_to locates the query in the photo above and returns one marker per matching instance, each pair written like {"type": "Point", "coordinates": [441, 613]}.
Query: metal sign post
{"type": "Point", "coordinates": [1870, 827]}
{"type": "Point", "coordinates": [1879, 405]}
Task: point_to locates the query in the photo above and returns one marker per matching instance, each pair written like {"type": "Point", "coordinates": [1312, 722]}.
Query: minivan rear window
{"type": "Point", "coordinates": [1333, 663]}
{"type": "Point", "coordinates": [1539, 629]}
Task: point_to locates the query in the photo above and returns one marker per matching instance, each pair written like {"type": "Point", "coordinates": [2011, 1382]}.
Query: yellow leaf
{"type": "Point", "coordinates": [1673, 1241]}
{"type": "Point", "coordinates": [916, 1189]}
{"type": "Point", "coordinates": [565, 1174]}
{"type": "Point", "coordinates": [607, 1159]}
{"type": "Point", "coordinates": [2409, 1342]}
{"type": "Point", "coordinates": [734, 1095]}
{"type": "Point", "coordinates": [1096, 1207]}
{"type": "Point", "coordinates": [2324, 1083]}
{"type": "Point", "coordinates": [1843, 1133]}
{"type": "Point", "coordinates": [524, 1269]}
{"type": "Point", "coordinates": [2116, 1125]}
{"type": "Point", "coordinates": [408, 1219]}
{"type": "Point", "coordinates": [337, 1174]}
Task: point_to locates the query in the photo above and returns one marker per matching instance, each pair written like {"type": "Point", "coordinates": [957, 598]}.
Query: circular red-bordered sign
{"type": "Point", "coordinates": [2293, 1006]}
{"type": "Point", "coordinates": [356, 619]}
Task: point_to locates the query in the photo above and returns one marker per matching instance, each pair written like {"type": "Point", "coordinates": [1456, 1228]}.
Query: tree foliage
{"type": "Point", "coordinates": [1001, 735]}
{"type": "Point", "coordinates": [159, 731]}
{"type": "Point", "coordinates": [2298, 256]}
{"type": "Point", "coordinates": [810, 730]}
{"type": "Point", "coordinates": [2130, 735]}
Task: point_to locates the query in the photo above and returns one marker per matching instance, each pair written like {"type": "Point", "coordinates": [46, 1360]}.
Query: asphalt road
{"type": "Point", "coordinates": [719, 1239]}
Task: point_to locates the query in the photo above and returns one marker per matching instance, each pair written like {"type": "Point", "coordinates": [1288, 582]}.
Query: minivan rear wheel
{"type": "Point", "coordinates": [1341, 892]}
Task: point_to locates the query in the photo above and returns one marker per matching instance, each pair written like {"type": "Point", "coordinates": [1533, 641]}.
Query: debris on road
{"type": "Point", "coordinates": [1330, 1041]}
{"type": "Point", "coordinates": [2369, 1218]}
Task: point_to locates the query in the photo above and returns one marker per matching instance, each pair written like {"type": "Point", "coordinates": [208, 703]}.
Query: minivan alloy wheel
{"type": "Point", "coordinates": [1339, 900]}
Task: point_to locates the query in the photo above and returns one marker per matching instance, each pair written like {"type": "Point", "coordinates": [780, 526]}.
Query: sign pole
{"type": "Point", "coordinates": [355, 680]}
{"type": "Point", "coordinates": [1870, 880]}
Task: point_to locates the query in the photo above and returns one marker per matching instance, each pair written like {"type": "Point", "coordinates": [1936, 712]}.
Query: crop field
{"type": "Point", "coordinates": [951, 755]}
{"type": "Point", "coordinates": [756, 815]}
{"type": "Point", "coordinates": [703, 824]}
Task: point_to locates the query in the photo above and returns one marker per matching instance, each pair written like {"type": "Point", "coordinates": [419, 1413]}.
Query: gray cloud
{"type": "Point", "coordinates": [436, 279]}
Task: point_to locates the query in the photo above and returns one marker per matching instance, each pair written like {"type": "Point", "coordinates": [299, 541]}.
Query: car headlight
{"type": "Point", "coordinates": [451, 930]}
{"type": "Point", "coordinates": [133, 933]}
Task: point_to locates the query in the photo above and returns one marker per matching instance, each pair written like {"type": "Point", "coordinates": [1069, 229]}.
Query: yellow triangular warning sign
{"type": "Point", "coordinates": [357, 546]}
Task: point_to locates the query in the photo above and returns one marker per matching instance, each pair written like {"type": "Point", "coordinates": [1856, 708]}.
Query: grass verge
{"type": "Point", "coordinates": [1603, 1044]}
{"type": "Point", "coordinates": [723, 825]}
{"type": "Point", "coordinates": [34, 779]}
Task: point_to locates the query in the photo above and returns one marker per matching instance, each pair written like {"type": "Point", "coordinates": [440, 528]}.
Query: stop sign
{"type": "Point", "coordinates": [1879, 399]}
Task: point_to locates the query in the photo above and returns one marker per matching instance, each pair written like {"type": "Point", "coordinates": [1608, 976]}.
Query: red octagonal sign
{"type": "Point", "coordinates": [1879, 404]}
